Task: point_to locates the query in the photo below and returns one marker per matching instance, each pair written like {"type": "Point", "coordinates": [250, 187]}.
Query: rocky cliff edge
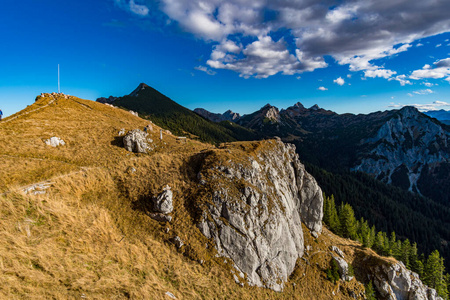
{"type": "Point", "coordinates": [257, 195]}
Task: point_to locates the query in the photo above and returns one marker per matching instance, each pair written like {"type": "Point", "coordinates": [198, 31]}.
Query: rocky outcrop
{"type": "Point", "coordinates": [272, 113]}
{"type": "Point", "coordinates": [259, 197]}
{"type": "Point", "coordinates": [337, 251]}
{"type": "Point", "coordinates": [163, 203]}
{"type": "Point", "coordinates": [55, 141]}
{"type": "Point", "coordinates": [136, 141]}
{"type": "Point", "coordinates": [343, 268]}
{"type": "Point", "coordinates": [396, 282]}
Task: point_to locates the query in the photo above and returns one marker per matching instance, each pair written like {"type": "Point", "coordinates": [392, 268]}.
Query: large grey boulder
{"type": "Point", "coordinates": [136, 141]}
{"type": "Point", "coordinates": [396, 282]}
{"type": "Point", "coordinates": [163, 203]}
{"type": "Point", "coordinates": [254, 214]}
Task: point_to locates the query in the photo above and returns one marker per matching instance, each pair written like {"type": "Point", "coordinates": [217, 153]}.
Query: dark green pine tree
{"type": "Point", "coordinates": [364, 233]}
{"type": "Point", "coordinates": [405, 252]}
{"type": "Point", "coordinates": [326, 210]}
{"type": "Point", "coordinates": [434, 274]}
{"type": "Point", "coordinates": [378, 244]}
{"type": "Point", "coordinates": [386, 249]}
{"type": "Point", "coordinates": [370, 292]}
{"type": "Point", "coordinates": [335, 224]}
{"type": "Point", "coordinates": [348, 221]}
{"type": "Point", "coordinates": [447, 280]}
{"type": "Point", "coordinates": [372, 236]}
{"type": "Point", "coordinates": [333, 271]}
{"type": "Point", "coordinates": [416, 264]}
{"type": "Point", "coordinates": [395, 251]}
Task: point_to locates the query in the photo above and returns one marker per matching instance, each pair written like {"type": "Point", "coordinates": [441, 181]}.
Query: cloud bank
{"type": "Point", "coordinates": [260, 38]}
{"type": "Point", "coordinates": [440, 69]}
{"type": "Point", "coordinates": [436, 105]}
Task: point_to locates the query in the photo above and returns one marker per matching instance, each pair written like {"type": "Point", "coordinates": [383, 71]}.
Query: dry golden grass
{"type": "Point", "coordinates": [89, 237]}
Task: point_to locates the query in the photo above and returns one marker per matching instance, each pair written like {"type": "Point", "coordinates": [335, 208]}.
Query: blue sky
{"type": "Point", "coordinates": [348, 56]}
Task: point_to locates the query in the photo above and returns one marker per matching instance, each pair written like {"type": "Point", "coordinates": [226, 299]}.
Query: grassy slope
{"type": "Point", "coordinates": [88, 235]}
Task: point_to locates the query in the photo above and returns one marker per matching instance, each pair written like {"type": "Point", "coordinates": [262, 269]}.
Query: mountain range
{"type": "Point", "coordinates": [441, 115]}
{"type": "Point", "coordinates": [401, 147]}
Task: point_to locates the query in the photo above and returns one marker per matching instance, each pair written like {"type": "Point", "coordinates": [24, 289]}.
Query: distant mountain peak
{"type": "Point", "coordinates": [298, 105]}
{"type": "Point", "coordinates": [141, 86]}
{"type": "Point", "coordinates": [267, 106]}
{"type": "Point", "coordinates": [226, 116]}
{"type": "Point", "coordinates": [315, 107]}
{"type": "Point", "coordinates": [271, 112]}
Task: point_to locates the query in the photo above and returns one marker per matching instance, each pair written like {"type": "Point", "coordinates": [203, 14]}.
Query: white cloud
{"type": "Point", "coordinates": [438, 45]}
{"type": "Point", "coordinates": [440, 70]}
{"type": "Point", "coordinates": [423, 92]}
{"type": "Point", "coordinates": [419, 45]}
{"type": "Point", "coordinates": [383, 73]}
{"type": "Point", "coordinates": [428, 84]}
{"type": "Point", "coordinates": [436, 105]}
{"type": "Point", "coordinates": [402, 79]}
{"type": "Point", "coordinates": [206, 70]}
{"type": "Point", "coordinates": [322, 88]}
{"type": "Point", "coordinates": [132, 6]}
{"type": "Point", "coordinates": [261, 59]}
{"type": "Point", "coordinates": [339, 81]}
{"type": "Point", "coordinates": [353, 33]}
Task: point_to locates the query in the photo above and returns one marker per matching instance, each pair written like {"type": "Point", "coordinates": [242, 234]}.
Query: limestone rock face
{"type": "Point", "coordinates": [136, 141]}
{"type": "Point", "coordinates": [343, 268]}
{"type": "Point", "coordinates": [163, 203]}
{"type": "Point", "coordinates": [396, 282]}
{"type": "Point", "coordinates": [406, 146]}
{"type": "Point", "coordinates": [55, 142]}
{"type": "Point", "coordinates": [258, 199]}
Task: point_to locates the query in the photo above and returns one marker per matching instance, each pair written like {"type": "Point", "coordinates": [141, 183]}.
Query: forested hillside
{"type": "Point", "coordinates": [391, 209]}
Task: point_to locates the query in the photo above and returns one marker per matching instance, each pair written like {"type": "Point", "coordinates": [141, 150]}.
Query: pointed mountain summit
{"type": "Point", "coordinates": [165, 112]}
{"type": "Point", "coordinates": [298, 105]}
{"type": "Point", "coordinates": [267, 115]}
{"type": "Point", "coordinates": [140, 87]}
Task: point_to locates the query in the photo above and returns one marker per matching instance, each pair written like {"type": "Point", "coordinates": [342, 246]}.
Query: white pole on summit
{"type": "Point", "coordinates": [59, 89]}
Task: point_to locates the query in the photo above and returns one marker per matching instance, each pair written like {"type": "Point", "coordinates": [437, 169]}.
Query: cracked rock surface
{"type": "Point", "coordinates": [258, 199]}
